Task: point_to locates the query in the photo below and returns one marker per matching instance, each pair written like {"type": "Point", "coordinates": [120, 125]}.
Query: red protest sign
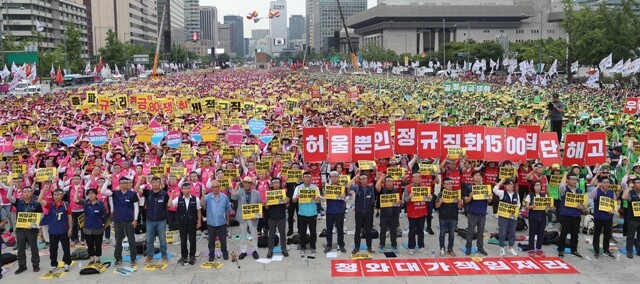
{"type": "Point", "coordinates": [405, 137]}
{"type": "Point", "coordinates": [473, 142]}
{"type": "Point", "coordinates": [429, 140]}
{"type": "Point", "coordinates": [450, 137]}
{"type": "Point", "coordinates": [466, 266]}
{"type": "Point", "coordinates": [549, 149]}
{"type": "Point", "coordinates": [437, 267]}
{"type": "Point", "coordinates": [574, 149]}
{"type": "Point", "coordinates": [315, 148]}
{"type": "Point", "coordinates": [494, 144]}
{"type": "Point", "coordinates": [376, 267]}
{"type": "Point", "coordinates": [596, 151]}
{"type": "Point", "coordinates": [555, 265]}
{"type": "Point", "coordinates": [382, 140]}
{"type": "Point", "coordinates": [345, 268]}
{"type": "Point", "coordinates": [235, 135]}
{"type": "Point", "coordinates": [525, 265]}
{"type": "Point", "coordinates": [497, 266]}
{"type": "Point", "coordinates": [631, 106]}
{"type": "Point", "coordinates": [407, 267]}
{"type": "Point", "coordinates": [532, 140]}
{"type": "Point", "coordinates": [339, 144]}
{"type": "Point", "coordinates": [515, 141]}
{"type": "Point", "coordinates": [363, 148]}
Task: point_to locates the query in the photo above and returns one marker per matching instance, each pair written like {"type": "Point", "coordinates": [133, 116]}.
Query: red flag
{"type": "Point", "coordinates": [429, 140]}
{"type": "Point", "coordinates": [596, 152]}
{"type": "Point", "coordinates": [574, 151]}
{"type": "Point", "coordinates": [549, 148]}
{"type": "Point", "coordinates": [99, 66]}
{"type": "Point", "coordinates": [315, 148]}
{"type": "Point", "coordinates": [59, 78]}
{"type": "Point", "coordinates": [339, 144]}
{"type": "Point", "coordinates": [363, 148]}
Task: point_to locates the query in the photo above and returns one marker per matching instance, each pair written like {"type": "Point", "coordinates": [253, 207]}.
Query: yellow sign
{"type": "Point", "coordinates": [172, 236]}
{"type": "Point", "coordinates": [167, 161]}
{"type": "Point", "coordinates": [427, 169]}
{"type": "Point", "coordinates": [294, 175]}
{"type": "Point", "coordinates": [450, 196]}
{"type": "Point", "coordinates": [635, 205]}
{"type": "Point", "coordinates": [361, 256]}
{"type": "Point", "coordinates": [481, 192]}
{"type": "Point", "coordinates": [156, 171]}
{"type": "Point", "coordinates": [572, 200]}
{"type": "Point", "coordinates": [396, 173]}
{"type": "Point", "coordinates": [251, 211]}
{"type": "Point", "coordinates": [343, 180]}
{"type": "Point", "coordinates": [144, 134]}
{"type": "Point", "coordinates": [228, 153]}
{"type": "Point", "coordinates": [81, 221]}
{"type": "Point", "coordinates": [209, 133]}
{"type": "Point", "coordinates": [607, 205]}
{"type": "Point", "coordinates": [178, 171]}
{"type": "Point", "coordinates": [101, 268]}
{"type": "Point", "coordinates": [155, 266]}
{"type": "Point", "coordinates": [45, 174]}
{"type": "Point", "coordinates": [307, 195]}
{"type": "Point", "coordinates": [52, 275]}
{"type": "Point", "coordinates": [209, 265]}
{"type": "Point", "coordinates": [187, 155]}
{"type": "Point", "coordinates": [262, 167]}
{"type": "Point", "coordinates": [507, 173]}
{"type": "Point", "coordinates": [420, 193]}
{"type": "Point", "coordinates": [276, 197]}
{"type": "Point", "coordinates": [231, 172]}
{"type": "Point", "coordinates": [225, 182]}
{"type": "Point", "coordinates": [28, 220]}
{"type": "Point", "coordinates": [248, 150]}
{"type": "Point", "coordinates": [333, 192]}
{"type": "Point", "coordinates": [507, 210]}
{"type": "Point", "coordinates": [389, 200]}
{"type": "Point", "coordinates": [455, 153]}
{"type": "Point", "coordinates": [555, 180]}
{"type": "Point", "coordinates": [366, 165]}
{"type": "Point", "coordinates": [542, 203]}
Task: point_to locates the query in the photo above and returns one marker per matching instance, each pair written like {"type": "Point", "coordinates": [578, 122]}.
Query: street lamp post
{"type": "Point", "coordinates": [444, 46]}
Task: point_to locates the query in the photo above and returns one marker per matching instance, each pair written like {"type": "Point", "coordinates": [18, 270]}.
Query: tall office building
{"type": "Point", "coordinates": [191, 18]}
{"type": "Point", "coordinates": [131, 20]}
{"type": "Point", "coordinates": [236, 26]}
{"type": "Point", "coordinates": [174, 27]}
{"type": "Point", "coordinates": [19, 19]}
{"type": "Point", "coordinates": [326, 20]}
{"type": "Point", "coordinates": [224, 33]}
{"type": "Point", "coordinates": [296, 27]}
{"type": "Point", "coordinates": [278, 28]}
{"type": "Point", "coordinates": [209, 24]}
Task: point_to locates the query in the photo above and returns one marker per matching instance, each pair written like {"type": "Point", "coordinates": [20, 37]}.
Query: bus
{"type": "Point", "coordinates": [73, 81]}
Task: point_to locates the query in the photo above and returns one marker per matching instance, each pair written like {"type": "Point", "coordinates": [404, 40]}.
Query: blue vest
{"type": "Point", "coordinates": [476, 207]}
{"type": "Point", "coordinates": [600, 215]}
{"type": "Point", "coordinates": [94, 215]}
{"type": "Point", "coordinates": [58, 219]}
{"type": "Point", "coordinates": [568, 211]}
{"type": "Point", "coordinates": [365, 198]}
{"type": "Point", "coordinates": [537, 215]}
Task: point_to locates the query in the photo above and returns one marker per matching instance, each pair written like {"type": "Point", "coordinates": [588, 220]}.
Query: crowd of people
{"type": "Point", "coordinates": [97, 190]}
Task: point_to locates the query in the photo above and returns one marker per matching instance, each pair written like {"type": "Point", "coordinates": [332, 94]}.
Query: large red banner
{"type": "Point", "coordinates": [339, 144]}
{"type": "Point", "coordinates": [363, 148]}
{"type": "Point", "coordinates": [429, 140]}
{"type": "Point", "coordinates": [405, 137]}
{"type": "Point", "coordinates": [549, 148]}
{"type": "Point", "coordinates": [515, 144]}
{"type": "Point", "coordinates": [532, 140]}
{"type": "Point", "coordinates": [450, 137]}
{"type": "Point", "coordinates": [574, 149]}
{"type": "Point", "coordinates": [449, 267]}
{"type": "Point", "coordinates": [473, 142]}
{"type": "Point", "coordinates": [382, 140]}
{"type": "Point", "coordinates": [596, 148]}
{"type": "Point", "coordinates": [494, 144]}
{"type": "Point", "coordinates": [315, 148]}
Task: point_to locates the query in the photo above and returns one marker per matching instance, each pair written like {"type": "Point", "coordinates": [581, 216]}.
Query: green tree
{"type": "Point", "coordinates": [73, 46]}
{"type": "Point", "coordinates": [224, 57]}
{"type": "Point", "coordinates": [375, 52]}
{"type": "Point", "coordinates": [114, 51]}
{"type": "Point", "coordinates": [551, 50]}
{"type": "Point", "coordinates": [48, 58]}
{"type": "Point", "coordinates": [487, 50]}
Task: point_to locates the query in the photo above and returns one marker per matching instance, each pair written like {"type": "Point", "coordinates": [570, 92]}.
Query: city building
{"type": "Point", "coordinates": [326, 20]}
{"type": "Point", "coordinates": [173, 29]}
{"type": "Point", "coordinates": [278, 33]}
{"type": "Point", "coordinates": [296, 31]}
{"type": "Point", "coordinates": [131, 20]}
{"type": "Point", "coordinates": [258, 34]}
{"type": "Point", "coordinates": [209, 23]}
{"type": "Point", "coordinates": [200, 48]}
{"type": "Point", "coordinates": [19, 19]}
{"type": "Point", "coordinates": [224, 32]}
{"type": "Point", "coordinates": [425, 27]}
{"type": "Point", "coordinates": [191, 19]}
{"type": "Point", "coordinates": [236, 26]}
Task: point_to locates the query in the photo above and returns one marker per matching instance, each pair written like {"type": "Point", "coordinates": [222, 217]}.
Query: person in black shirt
{"type": "Point", "coordinates": [364, 201]}
{"type": "Point", "coordinates": [276, 215]}
{"type": "Point", "coordinates": [448, 214]}
{"type": "Point", "coordinates": [389, 216]}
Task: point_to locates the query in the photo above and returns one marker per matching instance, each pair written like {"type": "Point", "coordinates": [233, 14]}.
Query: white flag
{"type": "Point", "coordinates": [32, 76]}
{"type": "Point", "coordinates": [39, 26]}
{"type": "Point", "coordinates": [574, 67]}
{"type": "Point", "coordinates": [492, 63]}
{"type": "Point", "coordinates": [509, 78]}
{"type": "Point", "coordinates": [592, 82]}
{"type": "Point", "coordinates": [5, 72]}
{"type": "Point", "coordinates": [554, 68]}
{"type": "Point", "coordinates": [52, 72]}
{"type": "Point", "coordinates": [618, 67]}
{"type": "Point", "coordinates": [87, 69]}
{"type": "Point", "coordinates": [606, 62]}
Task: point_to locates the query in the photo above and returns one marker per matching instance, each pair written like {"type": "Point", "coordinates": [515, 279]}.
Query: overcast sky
{"type": "Point", "coordinates": [243, 7]}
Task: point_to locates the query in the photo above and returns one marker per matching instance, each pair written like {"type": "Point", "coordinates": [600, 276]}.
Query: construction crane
{"type": "Point", "coordinates": [354, 57]}
{"type": "Point", "coordinates": [154, 71]}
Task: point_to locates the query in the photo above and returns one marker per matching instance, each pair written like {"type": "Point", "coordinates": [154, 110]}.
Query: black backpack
{"type": "Point", "coordinates": [521, 224]}
{"type": "Point", "coordinates": [8, 258]}
{"type": "Point", "coordinates": [263, 241]}
{"type": "Point", "coordinates": [551, 238]}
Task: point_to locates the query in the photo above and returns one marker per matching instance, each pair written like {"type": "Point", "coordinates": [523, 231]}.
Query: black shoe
{"type": "Point", "coordinates": [327, 249]}
{"type": "Point", "coordinates": [370, 250]}
{"type": "Point", "coordinates": [36, 269]}
{"type": "Point", "coordinates": [285, 253]}
{"type": "Point", "coordinates": [355, 250]}
{"type": "Point", "coordinates": [596, 255]}
{"type": "Point", "coordinates": [629, 255]}
{"type": "Point", "coordinates": [482, 252]}
{"type": "Point", "coordinates": [576, 254]}
{"type": "Point", "coordinates": [242, 256]}
{"type": "Point", "coordinates": [430, 232]}
{"type": "Point", "coordinates": [289, 233]}
{"type": "Point", "coordinates": [225, 256]}
{"type": "Point", "coordinates": [182, 260]}
{"type": "Point", "coordinates": [269, 254]}
{"type": "Point", "coordinates": [24, 268]}
{"type": "Point", "coordinates": [561, 254]}
{"type": "Point", "coordinates": [192, 260]}
{"type": "Point", "coordinates": [255, 254]}
{"type": "Point", "coordinates": [342, 250]}
{"type": "Point", "coordinates": [211, 259]}
{"type": "Point", "coordinates": [467, 251]}
{"type": "Point", "coordinates": [609, 254]}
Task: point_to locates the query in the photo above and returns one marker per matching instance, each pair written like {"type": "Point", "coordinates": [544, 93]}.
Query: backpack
{"type": "Point", "coordinates": [80, 253]}
{"type": "Point", "coordinates": [8, 258]}
{"type": "Point", "coordinates": [587, 225]}
{"type": "Point", "coordinates": [551, 238]}
{"type": "Point", "coordinates": [521, 224]}
{"type": "Point", "coordinates": [374, 233]}
{"type": "Point", "coordinates": [95, 268]}
{"type": "Point", "coordinates": [140, 229]}
{"type": "Point", "coordinates": [263, 241]}
{"type": "Point", "coordinates": [462, 232]}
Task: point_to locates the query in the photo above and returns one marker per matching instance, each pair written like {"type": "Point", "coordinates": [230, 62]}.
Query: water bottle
{"type": "Point", "coordinates": [433, 253]}
{"type": "Point", "coordinates": [618, 256]}
{"type": "Point", "coordinates": [587, 258]}
{"type": "Point", "coordinates": [402, 213]}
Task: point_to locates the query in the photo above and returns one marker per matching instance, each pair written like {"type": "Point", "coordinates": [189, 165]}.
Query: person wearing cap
{"type": "Point", "coordinates": [556, 109]}
{"type": "Point", "coordinates": [307, 214]}
{"type": "Point", "coordinates": [363, 197]}
{"type": "Point", "coordinates": [26, 235]}
{"type": "Point", "coordinates": [602, 220]}
{"type": "Point", "coordinates": [60, 222]}
{"type": "Point", "coordinates": [124, 213]}
{"type": "Point", "coordinates": [246, 194]}
{"type": "Point", "coordinates": [476, 215]}
{"type": "Point", "coordinates": [416, 213]}
{"type": "Point", "coordinates": [570, 217]}
{"type": "Point", "coordinates": [95, 213]}
{"type": "Point", "coordinates": [335, 216]}
{"type": "Point", "coordinates": [448, 216]}
{"type": "Point", "coordinates": [507, 226]}
{"type": "Point", "coordinates": [156, 200]}
{"type": "Point", "coordinates": [217, 210]}
{"type": "Point", "coordinates": [276, 215]}
{"type": "Point", "coordinates": [632, 195]}
{"type": "Point", "coordinates": [188, 216]}
{"type": "Point", "coordinates": [614, 156]}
